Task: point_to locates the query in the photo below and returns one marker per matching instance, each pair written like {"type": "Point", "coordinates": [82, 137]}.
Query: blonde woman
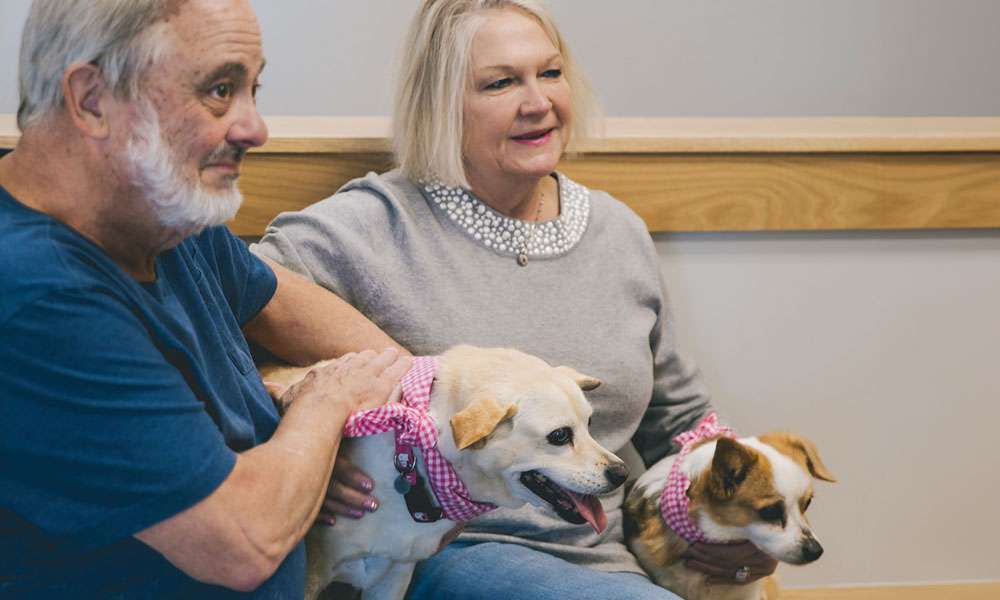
{"type": "Point", "coordinates": [477, 238]}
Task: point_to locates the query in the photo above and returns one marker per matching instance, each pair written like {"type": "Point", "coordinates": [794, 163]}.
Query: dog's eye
{"type": "Point", "coordinates": [561, 436]}
{"type": "Point", "coordinates": [773, 512]}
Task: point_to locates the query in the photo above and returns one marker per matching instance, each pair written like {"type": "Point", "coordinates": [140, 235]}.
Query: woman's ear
{"type": "Point", "coordinates": [86, 95]}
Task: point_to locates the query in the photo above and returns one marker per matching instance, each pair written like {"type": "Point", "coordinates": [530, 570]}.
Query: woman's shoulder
{"type": "Point", "coordinates": [367, 202]}
{"type": "Point", "coordinates": [608, 213]}
{"type": "Point", "coordinates": [388, 192]}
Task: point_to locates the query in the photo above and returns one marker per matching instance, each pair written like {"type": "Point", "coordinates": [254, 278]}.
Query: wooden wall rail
{"type": "Point", "coordinates": [959, 591]}
{"type": "Point", "coordinates": [694, 174]}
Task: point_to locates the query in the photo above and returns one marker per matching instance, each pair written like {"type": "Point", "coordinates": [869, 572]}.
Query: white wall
{"type": "Point", "coordinates": [657, 57]}
{"type": "Point", "coordinates": [882, 347]}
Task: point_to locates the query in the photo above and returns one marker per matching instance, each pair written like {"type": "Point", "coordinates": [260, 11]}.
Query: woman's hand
{"type": "Point", "coordinates": [729, 563]}
{"type": "Point", "coordinates": [348, 494]}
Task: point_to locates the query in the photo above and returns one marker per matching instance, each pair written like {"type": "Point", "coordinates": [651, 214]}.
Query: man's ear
{"type": "Point", "coordinates": [478, 420]}
{"type": "Point", "coordinates": [586, 382]}
{"type": "Point", "coordinates": [86, 95]}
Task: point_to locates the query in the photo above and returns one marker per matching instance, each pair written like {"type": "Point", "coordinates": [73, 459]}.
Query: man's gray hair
{"type": "Point", "coordinates": [118, 36]}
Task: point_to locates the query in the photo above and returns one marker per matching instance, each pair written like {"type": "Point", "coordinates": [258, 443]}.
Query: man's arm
{"type": "Point", "coordinates": [305, 323]}
{"type": "Point", "coordinates": [239, 535]}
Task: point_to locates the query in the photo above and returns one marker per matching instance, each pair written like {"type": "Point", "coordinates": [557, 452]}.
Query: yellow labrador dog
{"type": "Point", "coordinates": [513, 430]}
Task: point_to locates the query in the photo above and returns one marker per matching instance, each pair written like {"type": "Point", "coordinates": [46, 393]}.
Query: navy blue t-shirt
{"type": "Point", "coordinates": [121, 404]}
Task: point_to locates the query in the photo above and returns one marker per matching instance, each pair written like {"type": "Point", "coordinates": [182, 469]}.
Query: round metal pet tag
{"type": "Point", "coordinates": [402, 485]}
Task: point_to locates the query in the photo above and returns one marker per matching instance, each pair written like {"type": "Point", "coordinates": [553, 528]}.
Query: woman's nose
{"type": "Point", "coordinates": [535, 101]}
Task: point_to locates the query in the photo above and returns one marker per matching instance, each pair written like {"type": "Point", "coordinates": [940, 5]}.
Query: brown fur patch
{"type": "Point", "coordinates": [801, 450]}
{"type": "Point", "coordinates": [734, 502]}
{"type": "Point", "coordinates": [644, 526]}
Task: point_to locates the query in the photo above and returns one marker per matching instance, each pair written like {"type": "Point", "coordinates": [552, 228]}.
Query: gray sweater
{"type": "Point", "coordinates": [435, 267]}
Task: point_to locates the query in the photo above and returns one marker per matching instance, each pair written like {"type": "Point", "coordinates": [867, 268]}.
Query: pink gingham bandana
{"type": "Point", "coordinates": [415, 427]}
{"type": "Point", "coordinates": [674, 499]}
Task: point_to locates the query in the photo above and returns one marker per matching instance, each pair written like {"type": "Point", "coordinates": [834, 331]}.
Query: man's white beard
{"type": "Point", "coordinates": [183, 207]}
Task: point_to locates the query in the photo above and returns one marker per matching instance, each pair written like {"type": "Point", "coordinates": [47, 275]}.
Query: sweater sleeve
{"type": "Point", "coordinates": [679, 399]}
{"type": "Point", "coordinates": [335, 242]}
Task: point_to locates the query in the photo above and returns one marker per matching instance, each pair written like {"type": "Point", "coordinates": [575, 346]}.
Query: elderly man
{"type": "Point", "coordinates": [140, 454]}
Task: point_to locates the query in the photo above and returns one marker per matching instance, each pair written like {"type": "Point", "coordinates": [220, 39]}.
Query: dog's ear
{"type": "Point", "coordinates": [801, 450]}
{"type": "Point", "coordinates": [730, 466]}
{"type": "Point", "coordinates": [478, 420]}
{"type": "Point", "coordinates": [586, 382]}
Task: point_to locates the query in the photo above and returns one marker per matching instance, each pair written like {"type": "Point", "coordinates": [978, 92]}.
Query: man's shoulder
{"type": "Point", "coordinates": [39, 256]}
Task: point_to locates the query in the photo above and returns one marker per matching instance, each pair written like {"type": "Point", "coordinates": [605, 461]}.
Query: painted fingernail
{"type": "Point", "coordinates": [357, 514]}
{"type": "Point", "coordinates": [372, 505]}
{"type": "Point", "coordinates": [367, 485]}
{"type": "Point", "coordinates": [330, 521]}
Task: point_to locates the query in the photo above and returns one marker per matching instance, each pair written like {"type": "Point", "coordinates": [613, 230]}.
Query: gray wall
{"type": "Point", "coordinates": [658, 57]}
{"type": "Point", "coordinates": [882, 347]}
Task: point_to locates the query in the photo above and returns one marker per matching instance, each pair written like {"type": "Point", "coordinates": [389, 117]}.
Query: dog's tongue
{"type": "Point", "coordinates": [590, 509]}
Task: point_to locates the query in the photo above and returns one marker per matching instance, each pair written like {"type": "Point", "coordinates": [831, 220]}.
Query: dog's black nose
{"type": "Point", "coordinates": [811, 550]}
{"type": "Point", "coordinates": [616, 473]}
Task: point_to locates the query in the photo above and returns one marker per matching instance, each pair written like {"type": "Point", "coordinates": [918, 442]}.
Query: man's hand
{"type": "Point", "coordinates": [356, 381]}
{"type": "Point", "coordinates": [365, 380]}
{"type": "Point", "coordinates": [723, 562]}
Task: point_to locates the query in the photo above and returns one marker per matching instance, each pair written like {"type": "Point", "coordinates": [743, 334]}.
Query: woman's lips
{"type": "Point", "coordinates": [534, 138]}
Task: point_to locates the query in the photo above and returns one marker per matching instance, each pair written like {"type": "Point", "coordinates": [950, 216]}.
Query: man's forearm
{"type": "Point", "coordinates": [241, 533]}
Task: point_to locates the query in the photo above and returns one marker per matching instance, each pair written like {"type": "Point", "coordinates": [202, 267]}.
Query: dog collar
{"type": "Point", "coordinates": [674, 500]}
{"type": "Point", "coordinates": [414, 426]}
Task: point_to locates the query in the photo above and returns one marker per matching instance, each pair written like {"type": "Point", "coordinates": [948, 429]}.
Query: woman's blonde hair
{"type": "Point", "coordinates": [428, 123]}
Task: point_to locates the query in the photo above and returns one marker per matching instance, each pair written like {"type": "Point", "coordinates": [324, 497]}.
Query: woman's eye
{"type": "Point", "coordinates": [553, 73]}
{"type": "Point", "coordinates": [561, 436]}
{"type": "Point", "coordinates": [499, 84]}
{"type": "Point", "coordinates": [773, 512]}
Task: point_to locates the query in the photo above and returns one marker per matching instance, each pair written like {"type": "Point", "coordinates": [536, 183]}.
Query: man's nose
{"type": "Point", "coordinates": [249, 129]}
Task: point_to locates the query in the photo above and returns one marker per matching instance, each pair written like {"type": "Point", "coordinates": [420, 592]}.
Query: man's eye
{"type": "Point", "coordinates": [499, 84]}
{"type": "Point", "coordinates": [561, 436]}
{"type": "Point", "coordinates": [222, 91]}
{"type": "Point", "coordinates": [773, 512]}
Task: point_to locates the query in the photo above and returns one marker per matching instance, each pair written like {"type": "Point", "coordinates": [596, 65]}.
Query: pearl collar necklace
{"type": "Point", "coordinates": [513, 237]}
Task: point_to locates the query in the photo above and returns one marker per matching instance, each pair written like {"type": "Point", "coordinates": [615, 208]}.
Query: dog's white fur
{"type": "Point", "coordinates": [377, 553]}
{"type": "Point", "coordinates": [658, 548]}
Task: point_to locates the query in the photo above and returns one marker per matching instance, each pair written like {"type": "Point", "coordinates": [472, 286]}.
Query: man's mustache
{"type": "Point", "coordinates": [225, 153]}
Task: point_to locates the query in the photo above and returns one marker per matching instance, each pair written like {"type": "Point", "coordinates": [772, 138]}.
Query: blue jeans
{"type": "Point", "coordinates": [491, 570]}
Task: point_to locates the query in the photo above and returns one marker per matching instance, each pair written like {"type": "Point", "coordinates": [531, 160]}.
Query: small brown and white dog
{"type": "Point", "coordinates": [755, 489]}
{"type": "Point", "coordinates": [515, 431]}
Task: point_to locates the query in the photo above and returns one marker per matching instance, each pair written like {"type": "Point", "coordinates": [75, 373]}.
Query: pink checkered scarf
{"type": "Point", "coordinates": [415, 427]}
{"type": "Point", "coordinates": [674, 499]}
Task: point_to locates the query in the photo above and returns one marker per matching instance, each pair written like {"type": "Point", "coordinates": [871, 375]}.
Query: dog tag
{"type": "Point", "coordinates": [402, 485]}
